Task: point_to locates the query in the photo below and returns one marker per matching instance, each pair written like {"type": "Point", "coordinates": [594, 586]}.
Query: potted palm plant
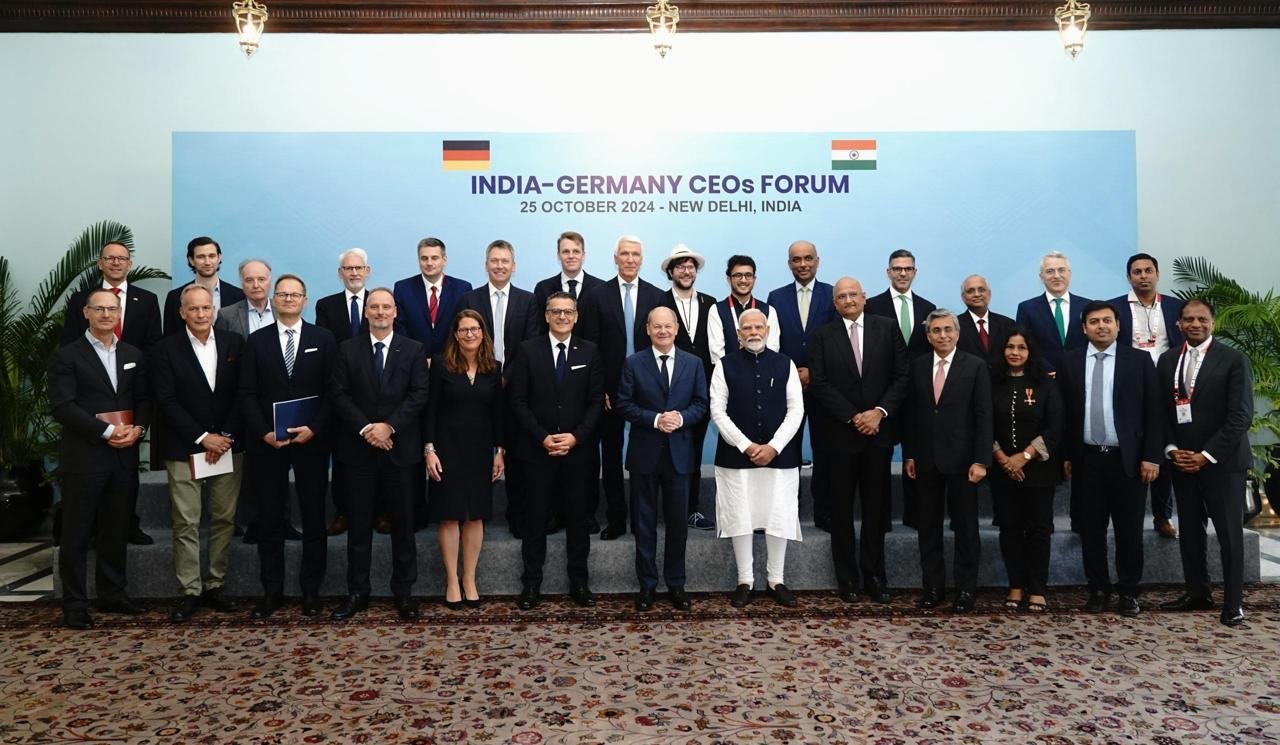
{"type": "Point", "coordinates": [29, 332]}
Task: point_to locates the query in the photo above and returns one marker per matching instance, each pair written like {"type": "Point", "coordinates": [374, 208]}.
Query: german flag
{"type": "Point", "coordinates": [466, 155]}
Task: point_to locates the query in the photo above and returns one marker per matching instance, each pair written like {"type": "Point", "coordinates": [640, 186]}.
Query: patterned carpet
{"type": "Point", "coordinates": [824, 672]}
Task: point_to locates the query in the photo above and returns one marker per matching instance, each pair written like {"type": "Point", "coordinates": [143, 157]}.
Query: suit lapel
{"type": "Point", "coordinates": [1209, 365]}
{"type": "Point", "coordinates": [615, 303]}
{"type": "Point", "coordinates": [91, 355]}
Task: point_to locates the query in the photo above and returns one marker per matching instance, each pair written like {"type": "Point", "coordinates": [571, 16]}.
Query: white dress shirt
{"type": "Point", "coordinates": [671, 371]}
{"type": "Point", "coordinates": [297, 339]}
{"type": "Point", "coordinates": [259, 318]}
{"type": "Point", "coordinates": [107, 356]}
{"type": "Point", "coordinates": [1149, 332]}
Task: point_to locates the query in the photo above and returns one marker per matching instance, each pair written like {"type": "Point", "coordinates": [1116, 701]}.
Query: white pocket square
{"type": "Point", "coordinates": [309, 351]}
{"type": "Point", "coordinates": [130, 365]}
{"type": "Point", "coordinates": [577, 367]}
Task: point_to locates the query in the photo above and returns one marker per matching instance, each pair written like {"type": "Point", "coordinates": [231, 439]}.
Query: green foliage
{"type": "Point", "coordinates": [28, 339]}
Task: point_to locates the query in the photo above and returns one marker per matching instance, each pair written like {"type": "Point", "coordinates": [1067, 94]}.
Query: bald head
{"type": "Point", "coordinates": [976, 294]}
{"type": "Point", "coordinates": [849, 298]}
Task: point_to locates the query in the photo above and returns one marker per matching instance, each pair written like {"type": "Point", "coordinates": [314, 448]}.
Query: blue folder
{"type": "Point", "coordinates": [296, 413]}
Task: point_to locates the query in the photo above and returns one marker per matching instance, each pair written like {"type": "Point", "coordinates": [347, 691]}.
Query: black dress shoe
{"type": "Point", "coordinates": [267, 606]}
{"type": "Point", "coordinates": [847, 592]}
{"type": "Point", "coordinates": [354, 603]}
{"type": "Point", "coordinates": [122, 604]}
{"type": "Point", "coordinates": [878, 592]}
{"type": "Point", "coordinates": [782, 595]}
{"type": "Point", "coordinates": [79, 619]}
{"type": "Point", "coordinates": [139, 538]}
{"type": "Point", "coordinates": [1187, 601]}
{"type": "Point", "coordinates": [217, 601]}
{"type": "Point", "coordinates": [593, 525]}
{"type": "Point", "coordinates": [407, 607]}
{"type": "Point", "coordinates": [1233, 617]}
{"type": "Point", "coordinates": [583, 596]}
{"type": "Point", "coordinates": [185, 609]}
{"type": "Point", "coordinates": [1128, 606]}
{"type": "Point", "coordinates": [679, 598]}
{"type": "Point", "coordinates": [1098, 601]}
{"type": "Point", "coordinates": [529, 598]}
{"type": "Point", "coordinates": [612, 532]}
{"type": "Point", "coordinates": [822, 522]}
{"type": "Point", "coordinates": [741, 596]}
{"type": "Point", "coordinates": [311, 605]}
{"type": "Point", "coordinates": [929, 600]}
{"type": "Point", "coordinates": [516, 531]}
{"type": "Point", "coordinates": [291, 533]}
{"type": "Point", "coordinates": [644, 599]}
{"type": "Point", "coordinates": [553, 525]}
{"type": "Point", "coordinates": [453, 604]}
{"type": "Point", "coordinates": [963, 603]}
{"type": "Point", "coordinates": [251, 535]}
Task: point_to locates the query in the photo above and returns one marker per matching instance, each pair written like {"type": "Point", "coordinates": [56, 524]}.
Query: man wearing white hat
{"type": "Point", "coordinates": [692, 309]}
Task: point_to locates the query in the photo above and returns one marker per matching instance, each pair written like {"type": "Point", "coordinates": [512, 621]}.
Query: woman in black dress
{"type": "Point", "coordinates": [1028, 430]}
{"type": "Point", "coordinates": [464, 449]}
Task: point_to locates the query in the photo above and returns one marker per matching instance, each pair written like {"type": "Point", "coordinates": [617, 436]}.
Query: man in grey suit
{"type": "Point", "coordinates": [254, 312]}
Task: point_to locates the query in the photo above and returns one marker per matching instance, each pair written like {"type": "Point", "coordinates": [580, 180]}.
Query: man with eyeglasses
{"type": "Point", "coordinates": [722, 331]}
{"type": "Point", "coordinates": [138, 324]}
{"type": "Point", "coordinates": [98, 393]}
{"type": "Point", "coordinates": [204, 256]}
{"type": "Point", "coordinates": [288, 361]}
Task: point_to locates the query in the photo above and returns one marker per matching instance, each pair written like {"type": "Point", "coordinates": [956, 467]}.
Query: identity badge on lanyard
{"type": "Point", "coordinates": [1182, 403]}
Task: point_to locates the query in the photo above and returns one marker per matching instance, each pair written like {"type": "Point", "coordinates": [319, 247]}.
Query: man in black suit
{"type": "Point", "coordinates": [1112, 447]}
{"type": "Point", "coordinates": [571, 252]}
{"type": "Point", "coordinates": [857, 379]}
{"type": "Point", "coordinates": [908, 310]}
{"type": "Point", "coordinates": [342, 314]}
{"type": "Point", "coordinates": [693, 314]}
{"type": "Point", "coordinates": [204, 256]}
{"type": "Point", "coordinates": [615, 317]}
{"type": "Point", "coordinates": [982, 330]}
{"type": "Point", "coordinates": [557, 389]}
{"type": "Point", "coordinates": [195, 376]}
{"type": "Point", "coordinates": [137, 325]}
{"type": "Point", "coordinates": [379, 390]}
{"type": "Point", "coordinates": [287, 361]}
{"type": "Point", "coordinates": [98, 393]}
{"type": "Point", "coordinates": [1207, 413]}
{"type": "Point", "coordinates": [947, 449]}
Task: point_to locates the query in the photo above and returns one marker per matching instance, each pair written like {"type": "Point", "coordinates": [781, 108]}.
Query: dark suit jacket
{"type": "Point", "coordinates": [956, 431]}
{"type": "Point", "coordinates": [413, 318]}
{"type": "Point", "coordinates": [793, 338]}
{"type": "Point", "coordinates": [184, 401]}
{"type": "Point", "coordinates": [141, 317]}
{"type": "Point", "coordinates": [543, 405]}
{"type": "Point", "coordinates": [697, 344]}
{"type": "Point", "coordinates": [397, 398]}
{"type": "Point", "coordinates": [641, 400]}
{"type": "Point", "coordinates": [883, 305]}
{"type": "Point", "coordinates": [1135, 405]}
{"type": "Point", "coordinates": [334, 314]}
{"type": "Point", "coordinates": [79, 389]}
{"type": "Point", "coordinates": [543, 290]}
{"type": "Point", "coordinates": [1221, 407]}
{"type": "Point", "coordinates": [173, 302]}
{"type": "Point", "coordinates": [1170, 309]}
{"type": "Point", "coordinates": [1036, 314]}
{"type": "Point", "coordinates": [997, 329]}
{"type": "Point", "coordinates": [264, 381]}
{"type": "Point", "coordinates": [605, 325]}
{"type": "Point", "coordinates": [840, 392]}
{"type": "Point", "coordinates": [521, 322]}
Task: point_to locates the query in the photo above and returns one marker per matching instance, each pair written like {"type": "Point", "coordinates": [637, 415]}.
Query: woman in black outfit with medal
{"type": "Point", "coordinates": [1028, 430]}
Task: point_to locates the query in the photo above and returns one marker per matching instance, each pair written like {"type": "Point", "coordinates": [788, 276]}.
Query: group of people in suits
{"type": "Point", "coordinates": [432, 381]}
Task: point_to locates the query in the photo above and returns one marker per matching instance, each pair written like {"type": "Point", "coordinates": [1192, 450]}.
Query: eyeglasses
{"type": "Point", "coordinates": [742, 275]}
{"type": "Point", "coordinates": [902, 269]}
{"type": "Point", "coordinates": [103, 310]}
{"type": "Point", "coordinates": [470, 331]}
{"type": "Point", "coordinates": [290, 295]}
{"type": "Point", "coordinates": [115, 259]}
{"type": "Point", "coordinates": [562, 312]}
{"type": "Point", "coordinates": [360, 268]}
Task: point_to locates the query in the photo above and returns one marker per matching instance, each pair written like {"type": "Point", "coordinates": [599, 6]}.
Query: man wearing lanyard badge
{"type": "Point", "coordinates": [740, 271]}
{"type": "Point", "coordinates": [1149, 322]}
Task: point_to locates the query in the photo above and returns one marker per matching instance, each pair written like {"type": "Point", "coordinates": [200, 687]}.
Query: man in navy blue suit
{"type": "Point", "coordinates": [1049, 315]}
{"type": "Point", "coordinates": [663, 394]}
{"type": "Point", "coordinates": [1149, 322]}
{"type": "Point", "coordinates": [427, 302]}
{"type": "Point", "coordinates": [805, 305]}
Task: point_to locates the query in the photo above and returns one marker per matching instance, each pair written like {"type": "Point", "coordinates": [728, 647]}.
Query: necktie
{"type": "Point", "coordinates": [629, 318]}
{"type": "Point", "coordinates": [982, 335]}
{"type": "Point", "coordinates": [573, 288]}
{"type": "Point", "coordinates": [290, 351]}
{"type": "Point", "coordinates": [1057, 317]}
{"type": "Point", "coordinates": [904, 319]}
{"type": "Point", "coordinates": [1097, 410]}
{"type": "Point", "coordinates": [1189, 370]}
{"type": "Point", "coordinates": [118, 329]}
{"type": "Point", "coordinates": [662, 373]}
{"type": "Point", "coordinates": [804, 308]}
{"type": "Point", "coordinates": [355, 317]}
{"type": "Point", "coordinates": [378, 361]}
{"type": "Point", "coordinates": [857, 349]}
{"type": "Point", "coordinates": [562, 365]}
{"type": "Point", "coordinates": [499, 324]}
{"type": "Point", "coordinates": [433, 305]}
{"type": "Point", "coordinates": [939, 378]}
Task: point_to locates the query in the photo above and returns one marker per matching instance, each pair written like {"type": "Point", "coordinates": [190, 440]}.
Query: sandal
{"type": "Point", "coordinates": [1037, 607]}
{"type": "Point", "coordinates": [1013, 604]}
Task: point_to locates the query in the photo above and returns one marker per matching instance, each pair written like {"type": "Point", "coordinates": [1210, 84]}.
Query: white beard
{"type": "Point", "coordinates": [754, 346]}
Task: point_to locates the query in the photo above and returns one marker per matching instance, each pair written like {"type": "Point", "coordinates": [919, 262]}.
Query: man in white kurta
{"type": "Point", "coordinates": [757, 404]}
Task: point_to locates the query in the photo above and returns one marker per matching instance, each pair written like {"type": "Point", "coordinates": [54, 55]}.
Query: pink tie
{"type": "Point", "coordinates": [853, 342]}
{"type": "Point", "coordinates": [939, 378]}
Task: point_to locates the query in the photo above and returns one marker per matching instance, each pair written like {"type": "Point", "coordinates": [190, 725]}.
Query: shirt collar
{"type": "Point", "coordinates": [977, 318]}
{"type": "Point", "coordinates": [894, 294]}
{"type": "Point", "coordinates": [359, 296]}
{"type": "Point", "coordinates": [564, 278]}
{"type": "Point", "coordinates": [439, 285]}
{"type": "Point", "coordinates": [95, 342]}
{"type": "Point", "coordinates": [124, 287]}
{"type": "Point", "coordinates": [1204, 345]}
{"type": "Point", "coordinates": [280, 327]}
{"type": "Point", "coordinates": [494, 290]}
{"type": "Point", "coordinates": [192, 337]}
{"type": "Point", "coordinates": [1066, 297]}
{"type": "Point", "coordinates": [808, 287]}
{"type": "Point", "coordinates": [856, 322]}
{"type": "Point", "coordinates": [386, 342]}
{"type": "Point", "coordinates": [949, 358]}
{"type": "Point", "coordinates": [1110, 351]}
{"type": "Point", "coordinates": [657, 356]}
{"type": "Point", "coordinates": [555, 341]}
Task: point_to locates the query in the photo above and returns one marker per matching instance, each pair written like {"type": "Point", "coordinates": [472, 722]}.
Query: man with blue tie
{"type": "Point", "coordinates": [663, 394]}
{"type": "Point", "coordinates": [1112, 447]}
{"type": "Point", "coordinates": [1048, 315]}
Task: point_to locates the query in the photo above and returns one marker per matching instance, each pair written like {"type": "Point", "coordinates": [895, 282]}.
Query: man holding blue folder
{"type": "Point", "coordinates": [284, 395]}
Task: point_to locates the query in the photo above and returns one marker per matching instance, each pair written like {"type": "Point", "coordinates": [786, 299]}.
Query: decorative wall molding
{"type": "Point", "coordinates": [525, 16]}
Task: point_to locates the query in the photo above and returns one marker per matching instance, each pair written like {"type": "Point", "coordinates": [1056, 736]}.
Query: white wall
{"type": "Point", "coordinates": [85, 120]}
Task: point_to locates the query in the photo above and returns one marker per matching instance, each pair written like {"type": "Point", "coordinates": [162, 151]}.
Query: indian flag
{"type": "Point", "coordinates": [466, 155]}
{"type": "Point", "coordinates": [853, 155]}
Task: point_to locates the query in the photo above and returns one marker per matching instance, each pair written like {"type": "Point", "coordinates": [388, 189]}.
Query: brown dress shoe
{"type": "Point", "coordinates": [1166, 529]}
{"type": "Point", "coordinates": [338, 526]}
{"type": "Point", "coordinates": [383, 524]}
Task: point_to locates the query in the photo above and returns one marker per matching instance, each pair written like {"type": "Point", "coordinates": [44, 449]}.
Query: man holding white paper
{"type": "Point", "coordinates": [195, 374]}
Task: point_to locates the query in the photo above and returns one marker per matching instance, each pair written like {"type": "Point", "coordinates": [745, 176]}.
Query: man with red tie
{"type": "Point", "coordinates": [982, 330]}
